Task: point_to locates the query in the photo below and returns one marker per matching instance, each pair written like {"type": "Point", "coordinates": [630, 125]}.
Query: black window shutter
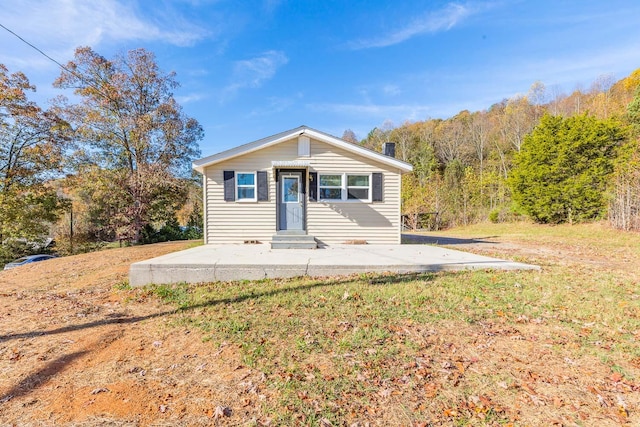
{"type": "Point", "coordinates": [313, 186]}
{"type": "Point", "coordinates": [263, 186]}
{"type": "Point", "coordinates": [376, 187]}
{"type": "Point", "coordinates": [229, 186]}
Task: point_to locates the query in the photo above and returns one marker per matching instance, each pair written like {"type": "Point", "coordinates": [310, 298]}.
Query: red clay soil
{"type": "Point", "coordinates": [74, 350]}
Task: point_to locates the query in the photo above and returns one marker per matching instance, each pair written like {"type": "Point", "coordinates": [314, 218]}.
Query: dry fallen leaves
{"type": "Point", "coordinates": [325, 423]}
{"type": "Point", "coordinates": [221, 412]}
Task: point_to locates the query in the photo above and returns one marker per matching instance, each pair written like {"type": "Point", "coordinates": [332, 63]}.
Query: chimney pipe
{"type": "Point", "coordinates": [389, 149]}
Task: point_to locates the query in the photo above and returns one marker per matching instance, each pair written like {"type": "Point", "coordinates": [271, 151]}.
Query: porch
{"type": "Point", "coordinates": [210, 263]}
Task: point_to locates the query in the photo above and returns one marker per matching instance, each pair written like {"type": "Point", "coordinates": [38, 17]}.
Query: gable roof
{"type": "Point", "coordinates": [200, 164]}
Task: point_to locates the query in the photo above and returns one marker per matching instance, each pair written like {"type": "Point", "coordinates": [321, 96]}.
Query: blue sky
{"type": "Point", "coordinates": [250, 69]}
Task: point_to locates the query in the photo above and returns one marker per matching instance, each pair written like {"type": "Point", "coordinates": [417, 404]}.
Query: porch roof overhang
{"type": "Point", "coordinates": [291, 164]}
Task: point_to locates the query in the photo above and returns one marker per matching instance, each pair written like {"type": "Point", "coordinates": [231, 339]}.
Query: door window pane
{"type": "Point", "coordinates": [290, 192]}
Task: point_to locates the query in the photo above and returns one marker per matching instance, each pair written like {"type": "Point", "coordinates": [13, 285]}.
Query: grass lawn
{"type": "Point", "coordinates": [558, 346]}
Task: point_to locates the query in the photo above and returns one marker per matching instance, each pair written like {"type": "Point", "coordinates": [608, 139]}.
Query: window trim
{"type": "Point", "coordinates": [239, 186]}
{"type": "Point", "coordinates": [344, 187]}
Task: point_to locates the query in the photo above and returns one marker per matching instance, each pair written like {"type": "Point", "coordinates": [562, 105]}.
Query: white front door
{"type": "Point", "coordinates": [291, 203]}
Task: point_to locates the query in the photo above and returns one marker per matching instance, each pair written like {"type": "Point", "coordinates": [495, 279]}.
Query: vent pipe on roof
{"type": "Point", "coordinates": [389, 149]}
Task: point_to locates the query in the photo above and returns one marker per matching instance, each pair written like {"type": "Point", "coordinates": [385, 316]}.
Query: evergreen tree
{"type": "Point", "coordinates": [564, 166]}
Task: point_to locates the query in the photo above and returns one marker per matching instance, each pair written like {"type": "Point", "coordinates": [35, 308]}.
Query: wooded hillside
{"type": "Point", "coordinates": [464, 164]}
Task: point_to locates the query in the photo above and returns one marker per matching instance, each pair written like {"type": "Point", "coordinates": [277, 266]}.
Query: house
{"type": "Point", "coordinates": [300, 188]}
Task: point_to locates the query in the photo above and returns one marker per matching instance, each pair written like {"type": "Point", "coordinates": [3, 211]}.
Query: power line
{"type": "Point", "coordinates": [39, 51]}
{"type": "Point", "coordinates": [77, 75]}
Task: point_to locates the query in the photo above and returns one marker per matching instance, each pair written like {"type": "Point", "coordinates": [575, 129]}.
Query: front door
{"type": "Point", "coordinates": [291, 201]}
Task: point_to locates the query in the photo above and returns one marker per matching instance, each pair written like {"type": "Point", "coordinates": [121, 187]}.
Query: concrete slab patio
{"type": "Point", "coordinates": [211, 263]}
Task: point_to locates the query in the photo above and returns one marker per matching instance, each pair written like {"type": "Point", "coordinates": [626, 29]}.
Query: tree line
{"type": "Point", "coordinates": [545, 155]}
{"type": "Point", "coordinates": [110, 163]}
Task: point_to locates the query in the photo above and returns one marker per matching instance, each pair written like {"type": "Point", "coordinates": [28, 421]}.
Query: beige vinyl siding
{"type": "Point", "coordinates": [343, 221]}
{"type": "Point", "coordinates": [329, 222]}
{"type": "Point", "coordinates": [235, 222]}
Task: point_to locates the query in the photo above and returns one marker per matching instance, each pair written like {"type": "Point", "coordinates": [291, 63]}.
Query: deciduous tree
{"type": "Point", "coordinates": [624, 207]}
{"type": "Point", "coordinates": [350, 136]}
{"type": "Point", "coordinates": [31, 148]}
{"type": "Point", "coordinates": [130, 126]}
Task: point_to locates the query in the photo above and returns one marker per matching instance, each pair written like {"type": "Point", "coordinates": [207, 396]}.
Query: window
{"type": "Point", "coordinates": [246, 186]}
{"type": "Point", "coordinates": [343, 187]}
{"type": "Point", "coordinates": [330, 187]}
{"type": "Point", "coordinates": [358, 187]}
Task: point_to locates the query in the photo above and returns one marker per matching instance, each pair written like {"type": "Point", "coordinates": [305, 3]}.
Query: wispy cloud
{"type": "Point", "coordinates": [189, 98]}
{"type": "Point", "coordinates": [252, 73]}
{"type": "Point", "coordinates": [430, 22]}
{"type": "Point", "coordinates": [58, 26]}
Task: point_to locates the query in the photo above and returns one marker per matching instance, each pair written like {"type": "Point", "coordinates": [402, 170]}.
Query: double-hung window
{"type": "Point", "coordinates": [344, 187]}
{"type": "Point", "coordinates": [246, 186]}
{"type": "Point", "coordinates": [358, 187]}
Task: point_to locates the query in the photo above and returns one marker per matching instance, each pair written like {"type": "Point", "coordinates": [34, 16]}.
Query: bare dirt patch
{"type": "Point", "coordinates": [74, 350]}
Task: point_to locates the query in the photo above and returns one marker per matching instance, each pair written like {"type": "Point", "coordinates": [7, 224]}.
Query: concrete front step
{"type": "Point", "coordinates": [293, 241]}
{"type": "Point", "coordinates": [292, 238]}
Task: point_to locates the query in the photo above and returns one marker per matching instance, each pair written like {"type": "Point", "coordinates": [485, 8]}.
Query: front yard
{"type": "Point", "coordinates": [558, 346]}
